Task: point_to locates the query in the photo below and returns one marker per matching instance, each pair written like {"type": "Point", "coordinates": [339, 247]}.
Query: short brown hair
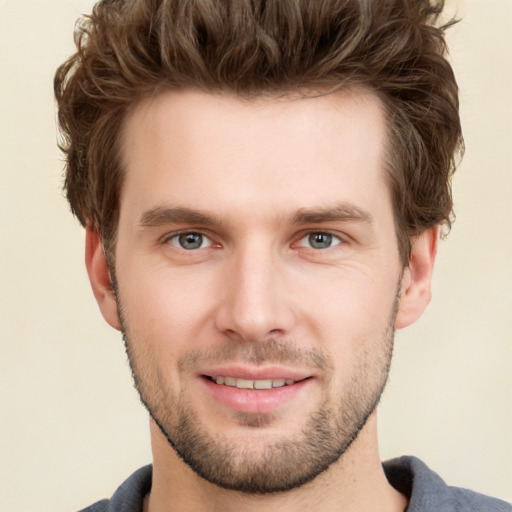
{"type": "Point", "coordinates": [129, 49]}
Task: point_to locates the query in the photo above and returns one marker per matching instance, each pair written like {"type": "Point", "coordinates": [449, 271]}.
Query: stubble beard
{"type": "Point", "coordinates": [269, 467]}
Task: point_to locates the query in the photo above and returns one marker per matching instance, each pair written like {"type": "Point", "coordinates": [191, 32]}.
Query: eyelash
{"type": "Point", "coordinates": [333, 237]}
{"type": "Point", "coordinates": [168, 239]}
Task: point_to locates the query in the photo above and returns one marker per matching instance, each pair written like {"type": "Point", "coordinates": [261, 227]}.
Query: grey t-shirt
{"type": "Point", "coordinates": [426, 491]}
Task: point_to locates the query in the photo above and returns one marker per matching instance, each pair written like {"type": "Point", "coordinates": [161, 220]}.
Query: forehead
{"type": "Point", "coordinates": [221, 153]}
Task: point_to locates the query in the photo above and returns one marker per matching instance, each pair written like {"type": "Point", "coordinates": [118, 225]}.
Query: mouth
{"type": "Point", "coordinates": [260, 384]}
{"type": "Point", "coordinates": [255, 394]}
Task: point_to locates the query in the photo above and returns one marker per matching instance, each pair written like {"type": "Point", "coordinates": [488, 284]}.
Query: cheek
{"type": "Point", "coordinates": [163, 308]}
{"type": "Point", "coordinates": [349, 299]}
{"type": "Point", "coordinates": [351, 317]}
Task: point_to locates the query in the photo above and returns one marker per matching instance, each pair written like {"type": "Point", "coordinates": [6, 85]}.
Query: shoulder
{"type": "Point", "coordinates": [427, 492]}
{"type": "Point", "coordinates": [99, 506]}
{"type": "Point", "coordinates": [129, 496]}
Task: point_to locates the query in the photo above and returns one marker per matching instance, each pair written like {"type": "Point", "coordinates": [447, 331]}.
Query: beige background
{"type": "Point", "coordinates": [71, 426]}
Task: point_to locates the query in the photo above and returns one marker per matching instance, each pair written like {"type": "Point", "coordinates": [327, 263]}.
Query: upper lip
{"type": "Point", "coordinates": [256, 373]}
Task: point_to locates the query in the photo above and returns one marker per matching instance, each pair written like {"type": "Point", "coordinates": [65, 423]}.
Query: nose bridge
{"type": "Point", "coordinates": [255, 303]}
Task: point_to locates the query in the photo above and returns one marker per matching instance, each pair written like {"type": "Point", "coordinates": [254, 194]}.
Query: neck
{"type": "Point", "coordinates": [355, 483]}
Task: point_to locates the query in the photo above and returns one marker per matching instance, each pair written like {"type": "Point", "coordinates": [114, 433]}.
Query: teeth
{"type": "Point", "coordinates": [263, 384]}
{"type": "Point", "coordinates": [229, 381]}
{"type": "Point", "coordinates": [244, 384]}
{"type": "Point", "coordinates": [253, 384]}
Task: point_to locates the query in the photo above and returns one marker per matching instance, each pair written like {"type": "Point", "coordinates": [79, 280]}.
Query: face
{"type": "Point", "coordinates": [257, 279]}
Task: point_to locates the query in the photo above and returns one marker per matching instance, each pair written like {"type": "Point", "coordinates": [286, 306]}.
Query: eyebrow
{"type": "Point", "coordinates": [342, 212]}
{"type": "Point", "coordinates": [161, 216]}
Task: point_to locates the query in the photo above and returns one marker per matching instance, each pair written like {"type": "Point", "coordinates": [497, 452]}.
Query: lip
{"type": "Point", "coordinates": [254, 373]}
{"type": "Point", "coordinates": [255, 401]}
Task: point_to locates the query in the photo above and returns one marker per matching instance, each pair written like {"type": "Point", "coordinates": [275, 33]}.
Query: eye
{"type": "Point", "coordinates": [190, 241]}
{"type": "Point", "coordinates": [319, 240]}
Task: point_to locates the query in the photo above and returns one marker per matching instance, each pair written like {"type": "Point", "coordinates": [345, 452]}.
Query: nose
{"type": "Point", "coordinates": [255, 302]}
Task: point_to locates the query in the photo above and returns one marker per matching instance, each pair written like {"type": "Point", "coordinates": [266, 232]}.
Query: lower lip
{"type": "Point", "coordinates": [253, 401]}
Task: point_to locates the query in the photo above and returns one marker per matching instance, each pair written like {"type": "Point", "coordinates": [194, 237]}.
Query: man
{"type": "Point", "coordinates": [263, 186]}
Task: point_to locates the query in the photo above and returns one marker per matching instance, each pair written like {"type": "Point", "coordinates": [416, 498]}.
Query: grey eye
{"type": "Point", "coordinates": [319, 240]}
{"type": "Point", "coordinates": [190, 241]}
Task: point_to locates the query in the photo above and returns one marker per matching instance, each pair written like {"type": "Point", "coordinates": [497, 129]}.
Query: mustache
{"type": "Point", "coordinates": [269, 351]}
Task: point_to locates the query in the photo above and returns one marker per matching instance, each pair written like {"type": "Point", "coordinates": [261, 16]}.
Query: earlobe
{"type": "Point", "coordinates": [415, 292]}
{"type": "Point", "coordinates": [99, 277]}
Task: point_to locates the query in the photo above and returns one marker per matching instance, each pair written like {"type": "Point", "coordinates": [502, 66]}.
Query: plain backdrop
{"type": "Point", "coordinates": [71, 426]}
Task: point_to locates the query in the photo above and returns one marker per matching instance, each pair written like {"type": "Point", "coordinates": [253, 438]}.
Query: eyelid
{"type": "Point", "coordinates": [335, 234]}
{"type": "Point", "coordinates": [342, 238]}
{"type": "Point", "coordinates": [166, 239]}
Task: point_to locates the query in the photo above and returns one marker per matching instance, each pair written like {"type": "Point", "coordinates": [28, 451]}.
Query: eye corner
{"type": "Point", "coordinates": [189, 240]}
{"type": "Point", "coordinates": [319, 240]}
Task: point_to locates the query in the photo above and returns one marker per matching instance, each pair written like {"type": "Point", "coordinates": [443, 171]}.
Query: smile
{"type": "Point", "coordinates": [255, 391]}
{"type": "Point", "coordinates": [252, 384]}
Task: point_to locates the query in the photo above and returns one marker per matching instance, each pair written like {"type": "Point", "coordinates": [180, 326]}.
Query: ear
{"type": "Point", "coordinates": [416, 292]}
{"type": "Point", "coordinates": [99, 276]}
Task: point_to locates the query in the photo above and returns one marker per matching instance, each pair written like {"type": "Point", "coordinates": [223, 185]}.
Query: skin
{"type": "Point", "coordinates": [264, 174]}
